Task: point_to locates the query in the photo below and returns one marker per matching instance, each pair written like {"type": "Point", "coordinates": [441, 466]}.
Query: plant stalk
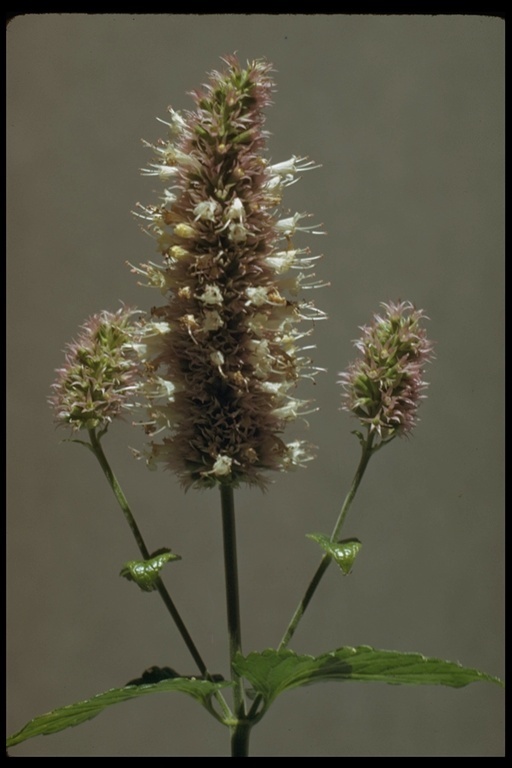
{"type": "Point", "coordinates": [240, 739]}
{"type": "Point", "coordinates": [97, 449]}
{"type": "Point", "coordinates": [240, 731]}
{"type": "Point", "coordinates": [366, 453]}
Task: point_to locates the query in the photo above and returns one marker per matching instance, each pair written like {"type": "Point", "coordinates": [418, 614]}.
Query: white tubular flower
{"type": "Point", "coordinates": [164, 171]}
{"type": "Point", "coordinates": [283, 174]}
{"type": "Point", "coordinates": [206, 210]}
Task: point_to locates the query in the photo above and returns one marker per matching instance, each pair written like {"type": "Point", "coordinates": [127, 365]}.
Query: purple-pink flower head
{"type": "Point", "coordinates": [226, 340]}
{"type": "Point", "coordinates": [385, 385]}
{"type": "Point", "coordinates": [101, 372]}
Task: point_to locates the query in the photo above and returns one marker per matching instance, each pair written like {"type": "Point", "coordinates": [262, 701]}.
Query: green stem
{"type": "Point", "coordinates": [123, 503]}
{"type": "Point", "coordinates": [240, 739]}
{"type": "Point", "coordinates": [367, 451]}
{"type": "Point", "coordinates": [240, 730]}
{"type": "Point", "coordinates": [299, 611]}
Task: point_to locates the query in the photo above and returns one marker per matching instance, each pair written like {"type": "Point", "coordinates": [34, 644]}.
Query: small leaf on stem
{"type": "Point", "coordinates": [342, 552]}
{"type": "Point", "coordinates": [146, 572]}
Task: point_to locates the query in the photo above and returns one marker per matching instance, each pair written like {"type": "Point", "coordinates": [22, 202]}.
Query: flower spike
{"type": "Point", "coordinates": [384, 386]}
{"type": "Point", "coordinates": [101, 374]}
{"type": "Point", "coordinates": [227, 338]}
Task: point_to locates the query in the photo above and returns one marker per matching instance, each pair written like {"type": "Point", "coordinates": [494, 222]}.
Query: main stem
{"type": "Point", "coordinates": [326, 560]}
{"type": "Point", "coordinates": [241, 729]}
{"type": "Point", "coordinates": [123, 503]}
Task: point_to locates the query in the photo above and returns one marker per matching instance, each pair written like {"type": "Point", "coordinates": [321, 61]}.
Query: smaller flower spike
{"type": "Point", "coordinates": [383, 387]}
{"type": "Point", "coordinates": [101, 372]}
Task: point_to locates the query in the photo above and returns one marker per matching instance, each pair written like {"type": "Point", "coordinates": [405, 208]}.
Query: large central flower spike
{"type": "Point", "coordinates": [225, 349]}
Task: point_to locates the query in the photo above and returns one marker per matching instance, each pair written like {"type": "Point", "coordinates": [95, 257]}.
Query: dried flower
{"type": "Point", "coordinates": [383, 388]}
{"type": "Point", "coordinates": [101, 372]}
{"type": "Point", "coordinates": [226, 341]}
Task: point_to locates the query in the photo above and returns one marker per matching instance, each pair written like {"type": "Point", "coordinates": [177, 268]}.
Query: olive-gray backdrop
{"type": "Point", "coordinates": [405, 114]}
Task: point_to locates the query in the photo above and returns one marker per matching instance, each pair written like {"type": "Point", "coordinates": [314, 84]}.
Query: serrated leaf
{"type": "Point", "coordinates": [74, 714]}
{"type": "Point", "coordinates": [343, 552]}
{"type": "Point", "coordinates": [146, 572]}
{"type": "Point", "coordinates": [272, 672]}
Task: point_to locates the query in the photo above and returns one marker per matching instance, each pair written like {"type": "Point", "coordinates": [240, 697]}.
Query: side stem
{"type": "Point", "coordinates": [164, 594]}
{"type": "Point", "coordinates": [367, 451]}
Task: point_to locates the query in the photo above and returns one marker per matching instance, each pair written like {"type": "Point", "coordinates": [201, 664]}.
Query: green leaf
{"type": "Point", "coordinates": [146, 572]}
{"type": "Point", "coordinates": [343, 552]}
{"type": "Point", "coordinates": [74, 714]}
{"type": "Point", "coordinates": [273, 672]}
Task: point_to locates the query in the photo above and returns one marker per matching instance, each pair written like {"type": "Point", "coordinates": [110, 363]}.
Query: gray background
{"type": "Point", "coordinates": [405, 113]}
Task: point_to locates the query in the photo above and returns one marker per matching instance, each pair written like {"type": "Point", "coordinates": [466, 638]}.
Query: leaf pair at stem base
{"type": "Point", "coordinates": [270, 673]}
